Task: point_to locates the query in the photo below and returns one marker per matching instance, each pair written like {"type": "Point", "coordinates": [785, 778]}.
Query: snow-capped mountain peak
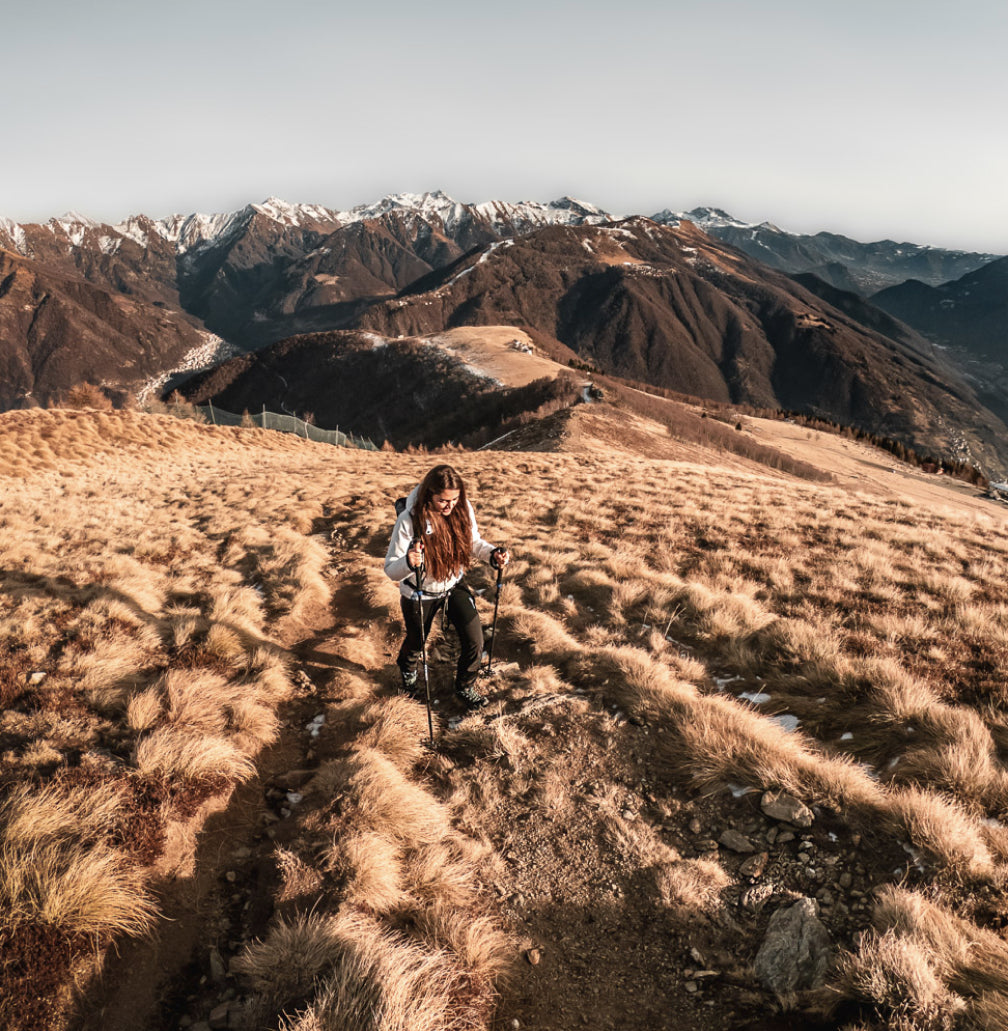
{"type": "Point", "coordinates": [294, 214]}
{"type": "Point", "coordinates": [524, 215]}
{"type": "Point", "coordinates": [705, 218]}
{"type": "Point", "coordinates": [12, 231]}
{"type": "Point", "coordinates": [423, 205]}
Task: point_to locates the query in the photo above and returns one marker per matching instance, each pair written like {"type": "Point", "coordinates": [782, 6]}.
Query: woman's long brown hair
{"type": "Point", "coordinates": [448, 549]}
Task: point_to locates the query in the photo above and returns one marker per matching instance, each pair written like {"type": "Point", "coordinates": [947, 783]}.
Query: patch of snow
{"type": "Point", "coordinates": [294, 214]}
{"type": "Point", "coordinates": [212, 351]}
{"type": "Point", "coordinates": [133, 229]}
{"type": "Point", "coordinates": [705, 218]}
{"type": "Point", "coordinates": [74, 226]}
{"type": "Point", "coordinates": [526, 215]}
{"type": "Point", "coordinates": [15, 234]}
{"type": "Point", "coordinates": [418, 205]}
{"type": "Point", "coordinates": [740, 790]}
{"type": "Point", "coordinates": [848, 736]}
{"type": "Point", "coordinates": [198, 230]}
{"type": "Point", "coordinates": [788, 721]}
{"type": "Point", "coordinates": [915, 855]}
{"type": "Point", "coordinates": [109, 245]}
{"type": "Point", "coordinates": [757, 697]}
{"type": "Point", "coordinates": [499, 243]}
{"type": "Point", "coordinates": [375, 340]}
{"type": "Point", "coordinates": [457, 277]}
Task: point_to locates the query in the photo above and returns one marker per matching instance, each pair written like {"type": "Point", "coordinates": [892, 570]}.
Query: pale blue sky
{"type": "Point", "coordinates": [876, 119]}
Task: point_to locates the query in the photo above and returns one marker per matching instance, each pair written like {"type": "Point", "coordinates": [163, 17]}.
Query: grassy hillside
{"type": "Point", "coordinates": [721, 688]}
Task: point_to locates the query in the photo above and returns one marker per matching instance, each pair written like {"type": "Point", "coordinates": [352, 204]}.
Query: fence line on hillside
{"type": "Point", "coordinates": [286, 424]}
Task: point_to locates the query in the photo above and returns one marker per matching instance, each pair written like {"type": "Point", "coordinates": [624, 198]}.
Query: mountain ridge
{"type": "Point", "coordinates": [661, 302]}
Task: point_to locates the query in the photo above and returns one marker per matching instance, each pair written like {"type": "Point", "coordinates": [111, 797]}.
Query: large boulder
{"type": "Point", "coordinates": [796, 951]}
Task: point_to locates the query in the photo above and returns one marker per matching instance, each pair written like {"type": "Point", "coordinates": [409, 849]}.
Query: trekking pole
{"type": "Point", "coordinates": [423, 639]}
{"type": "Point", "coordinates": [493, 628]}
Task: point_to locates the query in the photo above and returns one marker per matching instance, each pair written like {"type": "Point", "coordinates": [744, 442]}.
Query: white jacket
{"type": "Point", "coordinates": [402, 535]}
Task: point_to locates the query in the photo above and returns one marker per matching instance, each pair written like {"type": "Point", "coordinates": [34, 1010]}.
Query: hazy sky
{"type": "Point", "coordinates": [876, 119]}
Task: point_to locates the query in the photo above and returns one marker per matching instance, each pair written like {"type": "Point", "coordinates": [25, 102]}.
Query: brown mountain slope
{"type": "Point", "coordinates": [57, 330]}
{"type": "Point", "coordinates": [405, 391]}
{"type": "Point", "coordinates": [675, 308]}
{"type": "Point", "coordinates": [105, 257]}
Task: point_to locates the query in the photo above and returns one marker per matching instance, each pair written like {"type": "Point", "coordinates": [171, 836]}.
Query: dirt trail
{"type": "Point", "coordinates": [179, 976]}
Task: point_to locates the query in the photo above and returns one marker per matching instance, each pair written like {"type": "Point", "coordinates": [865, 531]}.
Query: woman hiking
{"type": "Point", "coordinates": [435, 537]}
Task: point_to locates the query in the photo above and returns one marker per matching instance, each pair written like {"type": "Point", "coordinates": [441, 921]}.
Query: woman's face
{"type": "Point", "coordinates": [445, 501]}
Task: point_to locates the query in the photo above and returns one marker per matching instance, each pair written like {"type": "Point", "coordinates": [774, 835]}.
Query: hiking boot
{"type": "Point", "coordinates": [469, 696]}
{"type": "Point", "coordinates": [409, 683]}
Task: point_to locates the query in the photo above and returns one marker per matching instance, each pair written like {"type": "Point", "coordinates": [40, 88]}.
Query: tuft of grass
{"type": "Point", "coordinates": [357, 974]}
{"type": "Point", "coordinates": [191, 756]}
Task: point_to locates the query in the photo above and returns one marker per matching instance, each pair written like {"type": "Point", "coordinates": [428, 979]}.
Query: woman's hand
{"type": "Point", "coordinates": [499, 558]}
{"type": "Point", "coordinates": [414, 557]}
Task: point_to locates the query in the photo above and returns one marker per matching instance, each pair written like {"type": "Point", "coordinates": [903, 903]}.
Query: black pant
{"type": "Point", "coordinates": [462, 615]}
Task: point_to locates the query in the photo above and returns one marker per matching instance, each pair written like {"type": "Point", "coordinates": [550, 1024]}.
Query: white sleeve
{"type": "Point", "coordinates": [396, 567]}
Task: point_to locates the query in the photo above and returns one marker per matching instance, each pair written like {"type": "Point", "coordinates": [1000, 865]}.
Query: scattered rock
{"type": "Point", "coordinates": [846, 880]}
{"type": "Point", "coordinates": [217, 969]}
{"type": "Point", "coordinates": [533, 956]}
{"type": "Point", "coordinates": [784, 837]}
{"type": "Point", "coordinates": [796, 951]}
{"type": "Point", "coordinates": [690, 986]}
{"type": "Point", "coordinates": [735, 841]}
{"type": "Point", "coordinates": [36, 678]}
{"type": "Point", "coordinates": [756, 897]}
{"type": "Point", "coordinates": [779, 805]}
{"type": "Point", "coordinates": [755, 865]}
{"type": "Point", "coordinates": [694, 826]}
{"type": "Point", "coordinates": [219, 1017]}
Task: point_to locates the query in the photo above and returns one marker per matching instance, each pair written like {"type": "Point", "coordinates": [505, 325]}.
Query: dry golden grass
{"type": "Point", "coordinates": [359, 975]}
{"type": "Point", "coordinates": [928, 967]}
{"type": "Point", "coordinates": [156, 571]}
{"type": "Point", "coordinates": [55, 871]}
{"type": "Point", "coordinates": [126, 637]}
